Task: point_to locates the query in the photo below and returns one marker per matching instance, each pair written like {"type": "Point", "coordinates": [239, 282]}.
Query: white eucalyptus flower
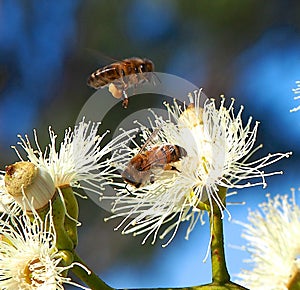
{"type": "Point", "coordinates": [296, 92]}
{"type": "Point", "coordinates": [78, 158]}
{"type": "Point", "coordinates": [79, 162]}
{"type": "Point", "coordinates": [29, 259]}
{"type": "Point", "coordinates": [216, 148]}
{"type": "Point", "coordinates": [273, 241]}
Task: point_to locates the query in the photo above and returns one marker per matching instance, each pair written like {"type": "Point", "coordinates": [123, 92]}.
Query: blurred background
{"type": "Point", "coordinates": [249, 50]}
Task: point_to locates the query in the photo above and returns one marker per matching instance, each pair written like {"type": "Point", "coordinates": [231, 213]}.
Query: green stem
{"type": "Point", "coordinates": [220, 273]}
{"type": "Point", "coordinates": [294, 282]}
{"type": "Point", "coordinates": [221, 278]}
{"type": "Point", "coordinates": [227, 286]}
{"type": "Point", "coordinates": [90, 279]}
{"type": "Point", "coordinates": [72, 211]}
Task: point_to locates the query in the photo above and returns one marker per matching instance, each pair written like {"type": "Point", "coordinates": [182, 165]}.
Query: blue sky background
{"type": "Point", "coordinates": [249, 50]}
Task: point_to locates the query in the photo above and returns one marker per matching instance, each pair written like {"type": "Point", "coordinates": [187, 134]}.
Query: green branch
{"type": "Point", "coordinates": [90, 279]}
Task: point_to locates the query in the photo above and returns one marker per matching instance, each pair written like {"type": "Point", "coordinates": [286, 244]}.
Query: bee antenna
{"type": "Point", "coordinates": [156, 76]}
{"type": "Point", "coordinates": [127, 189]}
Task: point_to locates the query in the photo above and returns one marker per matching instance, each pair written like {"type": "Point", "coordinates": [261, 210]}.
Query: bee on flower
{"type": "Point", "coordinates": [213, 149]}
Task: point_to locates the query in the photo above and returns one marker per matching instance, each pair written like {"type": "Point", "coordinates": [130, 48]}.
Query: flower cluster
{"type": "Point", "coordinates": [273, 241]}
{"type": "Point", "coordinates": [215, 148]}
{"type": "Point", "coordinates": [184, 168]}
{"type": "Point", "coordinates": [37, 243]}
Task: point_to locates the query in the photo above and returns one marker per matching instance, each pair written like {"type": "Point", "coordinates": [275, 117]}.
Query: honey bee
{"type": "Point", "coordinates": [121, 75]}
{"type": "Point", "coordinates": [140, 168]}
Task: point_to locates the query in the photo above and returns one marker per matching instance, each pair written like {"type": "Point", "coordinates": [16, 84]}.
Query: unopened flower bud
{"type": "Point", "coordinates": [29, 185]}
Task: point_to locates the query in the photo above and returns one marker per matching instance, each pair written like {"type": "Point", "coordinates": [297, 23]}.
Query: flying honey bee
{"type": "Point", "coordinates": [121, 75]}
{"type": "Point", "coordinates": [140, 168]}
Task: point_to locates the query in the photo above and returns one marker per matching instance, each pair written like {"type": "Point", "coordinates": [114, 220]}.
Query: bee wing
{"type": "Point", "coordinates": [150, 138]}
{"type": "Point", "coordinates": [105, 69]}
{"type": "Point", "coordinates": [100, 71]}
{"type": "Point", "coordinates": [100, 56]}
{"type": "Point", "coordinates": [162, 161]}
{"type": "Point", "coordinates": [152, 164]}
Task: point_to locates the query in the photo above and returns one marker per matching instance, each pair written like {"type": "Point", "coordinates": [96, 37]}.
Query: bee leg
{"type": "Point", "coordinates": [152, 78]}
{"type": "Point", "coordinates": [152, 178]}
{"type": "Point", "coordinates": [171, 167]}
{"type": "Point", "coordinates": [174, 168]}
{"type": "Point", "coordinates": [130, 193]}
{"type": "Point", "coordinates": [125, 100]}
{"type": "Point", "coordinates": [142, 76]}
{"type": "Point", "coordinates": [134, 88]}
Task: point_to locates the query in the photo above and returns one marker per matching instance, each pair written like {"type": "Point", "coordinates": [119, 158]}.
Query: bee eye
{"type": "Point", "coordinates": [142, 67]}
{"type": "Point", "coordinates": [122, 72]}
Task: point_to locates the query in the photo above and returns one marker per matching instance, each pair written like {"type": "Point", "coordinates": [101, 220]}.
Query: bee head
{"type": "Point", "coordinates": [148, 65]}
{"type": "Point", "coordinates": [129, 178]}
